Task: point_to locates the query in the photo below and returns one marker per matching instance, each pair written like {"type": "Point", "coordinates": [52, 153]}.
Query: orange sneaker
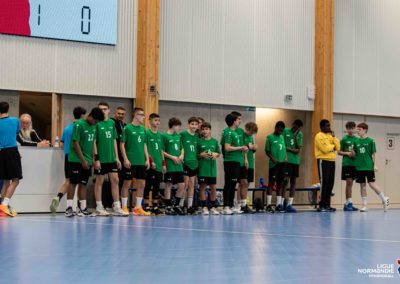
{"type": "Point", "coordinates": [138, 211]}
{"type": "Point", "coordinates": [7, 210]}
{"type": "Point", "coordinates": [125, 209]}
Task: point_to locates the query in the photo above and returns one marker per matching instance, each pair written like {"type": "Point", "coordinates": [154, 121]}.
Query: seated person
{"type": "Point", "coordinates": [28, 136]}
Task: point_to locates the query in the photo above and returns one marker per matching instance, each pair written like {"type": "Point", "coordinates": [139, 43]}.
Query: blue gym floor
{"type": "Point", "coordinates": [306, 247]}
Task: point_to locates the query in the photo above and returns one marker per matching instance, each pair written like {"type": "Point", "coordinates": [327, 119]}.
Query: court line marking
{"type": "Point", "coordinates": [211, 231]}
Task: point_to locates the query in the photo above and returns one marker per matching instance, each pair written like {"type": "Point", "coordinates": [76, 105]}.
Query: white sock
{"type": "Point", "coordinates": [6, 201]}
{"type": "Point", "coordinates": [99, 205]}
{"type": "Point", "coordinates": [182, 202]}
{"type": "Point", "coordinates": [124, 201]}
{"type": "Point", "coordinates": [83, 204]}
{"type": "Point", "coordinates": [382, 196]}
{"type": "Point", "coordinates": [278, 200]}
{"type": "Point", "coordinates": [348, 201]}
{"type": "Point", "coordinates": [117, 205]}
{"type": "Point", "coordinates": [269, 199]}
{"type": "Point", "coordinates": [283, 201]}
{"type": "Point", "coordinates": [364, 201]}
{"type": "Point", "coordinates": [243, 202]}
{"type": "Point", "coordinates": [290, 201]}
{"type": "Point", "coordinates": [190, 201]}
{"type": "Point", "coordinates": [69, 203]}
{"type": "Point", "coordinates": [139, 202]}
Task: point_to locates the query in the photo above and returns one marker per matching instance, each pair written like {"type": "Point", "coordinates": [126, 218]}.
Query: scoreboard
{"type": "Point", "coordinates": [92, 21]}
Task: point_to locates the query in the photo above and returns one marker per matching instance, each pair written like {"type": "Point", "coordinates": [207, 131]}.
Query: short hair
{"type": "Point", "coordinates": [121, 108]}
{"type": "Point", "coordinates": [154, 115]}
{"type": "Point", "coordinates": [238, 114]}
{"type": "Point", "coordinates": [78, 112]}
{"type": "Point", "coordinates": [206, 125]}
{"type": "Point", "coordinates": [97, 114]}
{"type": "Point", "coordinates": [230, 119]}
{"type": "Point", "coordinates": [323, 123]}
{"type": "Point", "coordinates": [4, 107]}
{"type": "Point", "coordinates": [103, 104]}
{"type": "Point", "coordinates": [174, 121]}
{"type": "Point", "coordinates": [298, 123]}
{"type": "Point", "coordinates": [280, 124]}
{"type": "Point", "coordinates": [350, 125]}
{"type": "Point", "coordinates": [199, 118]}
{"type": "Point", "coordinates": [136, 109]}
{"type": "Point", "coordinates": [363, 125]}
{"type": "Point", "coordinates": [251, 126]}
{"type": "Point", "coordinates": [193, 119]}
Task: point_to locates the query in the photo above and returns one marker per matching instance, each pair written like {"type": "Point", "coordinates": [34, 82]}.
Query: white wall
{"type": "Point", "coordinates": [367, 61]}
{"type": "Point", "coordinates": [32, 64]}
{"type": "Point", "coordinates": [237, 52]}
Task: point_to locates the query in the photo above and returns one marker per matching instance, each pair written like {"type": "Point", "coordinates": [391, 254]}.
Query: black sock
{"type": "Point", "coordinates": [167, 202]}
{"type": "Point", "coordinates": [60, 195]}
{"type": "Point", "coordinates": [177, 201]}
{"type": "Point", "coordinates": [212, 204]}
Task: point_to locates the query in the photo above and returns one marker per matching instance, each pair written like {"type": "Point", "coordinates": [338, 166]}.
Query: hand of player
{"type": "Point", "coordinates": [176, 160]}
{"type": "Point", "coordinates": [255, 147]}
{"type": "Point", "coordinates": [164, 169]}
{"type": "Point", "coordinates": [153, 165]}
{"type": "Point", "coordinates": [43, 143]}
{"type": "Point", "coordinates": [245, 148]}
{"type": "Point", "coordinates": [214, 156]}
{"type": "Point", "coordinates": [85, 164]}
{"type": "Point", "coordinates": [118, 163]}
{"type": "Point", "coordinates": [275, 161]}
{"type": "Point", "coordinates": [181, 158]}
{"type": "Point", "coordinates": [127, 164]}
{"type": "Point", "coordinates": [375, 168]}
{"type": "Point", "coordinates": [246, 164]}
{"type": "Point", "coordinates": [147, 164]}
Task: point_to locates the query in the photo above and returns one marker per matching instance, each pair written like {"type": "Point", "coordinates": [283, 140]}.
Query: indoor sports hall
{"type": "Point", "coordinates": [195, 141]}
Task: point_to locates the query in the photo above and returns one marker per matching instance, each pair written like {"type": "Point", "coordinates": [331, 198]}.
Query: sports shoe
{"type": "Point", "coordinates": [247, 210]}
{"type": "Point", "coordinates": [155, 211]}
{"type": "Point", "coordinates": [125, 209]}
{"type": "Point", "coordinates": [82, 213]}
{"type": "Point", "coordinates": [236, 210]}
{"type": "Point", "coordinates": [191, 211]}
{"type": "Point", "coordinates": [227, 211]}
{"type": "Point", "coordinates": [69, 212]}
{"type": "Point", "coordinates": [119, 212]}
{"type": "Point", "coordinates": [386, 204]}
{"type": "Point", "coordinates": [364, 209]}
{"type": "Point", "coordinates": [139, 211]}
{"type": "Point", "coordinates": [54, 204]}
{"type": "Point", "coordinates": [290, 209]}
{"type": "Point", "coordinates": [8, 210]}
{"type": "Point", "coordinates": [349, 207]}
{"type": "Point", "coordinates": [214, 211]}
{"type": "Point", "coordinates": [205, 211]}
{"type": "Point", "coordinates": [330, 209]}
{"type": "Point", "coordinates": [322, 209]}
{"type": "Point", "coordinates": [101, 212]}
{"type": "Point", "coordinates": [270, 209]}
{"type": "Point", "coordinates": [179, 210]}
{"type": "Point", "coordinates": [279, 209]}
{"type": "Point", "coordinates": [170, 211]}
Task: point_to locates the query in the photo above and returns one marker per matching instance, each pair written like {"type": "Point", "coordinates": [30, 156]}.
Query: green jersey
{"type": "Point", "coordinates": [134, 138]}
{"type": "Point", "coordinates": [275, 145]}
{"type": "Point", "coordinates": [364, 149]}
{"type": "Point", "coordinates": [231, 137]}
{"type": "Point", "coordinates": [172, 145]}
{"type": "Point", "coordinates": [249, 139]}
{"type": "Point", "coordinates": [347, 142]}
{"type": "Point", "coordinates": [154, 147]}
{"type": "Point", "coordinates": [189, 143]}
{"type": "Point", "coordinates": [290, 142]}
{"type": "Point", "coordinates": [207, 166]}
{"type": "Point", "coordinates": [105, 137]}
{"type": "Point", "coordinates": [84, 133]}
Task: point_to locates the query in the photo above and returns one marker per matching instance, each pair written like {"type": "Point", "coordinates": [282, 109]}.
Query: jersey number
{"type": "Point", "coordinates": [139, 139]}
{"type": "Point", "coordinates": [108, 134]}
{"type": "Point", "coordinates": [192, 148]}
{"type": "Point", "coordinates": [90, 137]}
{"type": "Point", "coordinates": [280, 147]}
{"type": "Point", "coordinates": [362, 150]}
{"type": "Point", "coordinates": [156, 145]}
{"type": "Point", "coordinates": [176, 146]}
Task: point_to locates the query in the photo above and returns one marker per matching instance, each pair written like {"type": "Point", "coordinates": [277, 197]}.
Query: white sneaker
{"type": "Point", "coordinates": [236, 210]}
{"type": "Point", "coordinates": [227, 211]}
{"type": "Point", "coordinates": [119, 212]}
{"type": "Point", "coordinates": [205, 211]}
{"type": "Point", "coordinates": [214, 211]}
{"type": "Point", "coordinates": [385, 204]}
{"type": "Point", "coordinates": [364, 209]}
{"type": "Point", "coordinates": [101, 212]}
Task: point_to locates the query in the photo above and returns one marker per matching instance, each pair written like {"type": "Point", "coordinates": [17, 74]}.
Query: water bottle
{"type": "Point", "coordinates": [261, 182]}
{"type": "Point", "coordinates": [57, 142]}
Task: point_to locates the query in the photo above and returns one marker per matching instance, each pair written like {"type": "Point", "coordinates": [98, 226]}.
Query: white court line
{"type": "Point", "coordinates": [214, 231]}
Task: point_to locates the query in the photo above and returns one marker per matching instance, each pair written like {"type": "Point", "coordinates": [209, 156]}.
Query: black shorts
{"type": "Point", "coordinates": [243, 172]}
{"type": "Point", "coordinates": [207, 180]}
{"type": "Point", "coordinates": [77, 174]}
{"type": "Point", "coordinates": [66, 166]}
{"type": "Point", "coordinates": [292, 170]}
{"type": "Point", "coordinates": [10, 164]}
{"type": "Point", "coordinates": [232, 171]}
{"type": "Point", "coordinates": [189, 172]}
{"type": "Point", "coordinates": [153, 176]}
{"type": "Point", "coordinates": [349, 172]}
{"type": "Point", "coordinates": [277, 174]}
{"type": "Point", "coordinates": [250, 175]}
{"type": "Point", "coordinates": [137, 172]}
{"type": "Point", "coordinates": [174, 177]}
{"type": "Point", "coordinates": [365, 175]}
{"type": "Point", "coordinates": [107, 168]}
